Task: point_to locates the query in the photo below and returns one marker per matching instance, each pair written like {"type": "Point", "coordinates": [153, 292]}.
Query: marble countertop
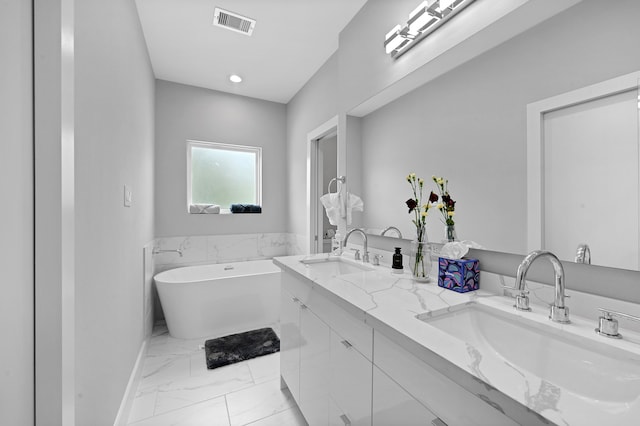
{"type": "Point", "coordinates": [390, 302]}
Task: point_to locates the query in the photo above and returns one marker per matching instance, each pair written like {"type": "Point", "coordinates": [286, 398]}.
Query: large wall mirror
{"type": "Point", "coordinates": [472, 126]}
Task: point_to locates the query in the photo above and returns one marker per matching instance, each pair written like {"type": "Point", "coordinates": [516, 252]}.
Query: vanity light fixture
{"type": "Point", "coordinates": [234, 78]}
{"type": "Point", "coordinates": [424, 20]}
{"type": "Point", "coordinates": [395, 40]}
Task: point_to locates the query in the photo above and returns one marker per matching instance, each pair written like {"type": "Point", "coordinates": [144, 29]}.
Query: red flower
{"type": "Point", "coordinates": [433, 197]}
{"type": "Point", "coordinates": [412, 204]}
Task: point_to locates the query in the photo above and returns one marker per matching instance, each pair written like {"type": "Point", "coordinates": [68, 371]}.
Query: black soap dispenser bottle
{"type": "Point", "coordinates": [396, 263]}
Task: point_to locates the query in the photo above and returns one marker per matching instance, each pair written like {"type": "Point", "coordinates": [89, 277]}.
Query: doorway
{"type": "Point", "coordinates": [322, 167]}
{"type": "Point", "coordinates": [327, 170]}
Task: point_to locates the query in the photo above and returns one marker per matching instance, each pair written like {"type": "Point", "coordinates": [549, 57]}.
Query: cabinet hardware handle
{"type": "Point", "coordinates": [438, 422]}
{"type": "Point", "coordinates": [346, 420]}
{"type": "Point", "coordinates": [346, 344]}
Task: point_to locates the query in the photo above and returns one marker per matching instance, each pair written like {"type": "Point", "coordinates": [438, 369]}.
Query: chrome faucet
{"type": "Point", "coordinates": [365, 255]}
{"type": "Point", "coordinates": [583, 254]}
{"type": "Point", "coordinates": [392, 228]}
{"type": "Point", "coordinates": [158, 251]}
{"type": "Point", "coordinates": [559, 312]}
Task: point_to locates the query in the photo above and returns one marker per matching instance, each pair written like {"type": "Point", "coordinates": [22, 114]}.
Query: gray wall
{"type": "Point", "coordinates": [363, 70]}
{"type": "Point", "coordinates": [16, 227]}
{"type": "Point", "coordinates": [114, 144]}
{"type": "Point", "coordinates": [187, 112]}
{"type": "Point", "coordinates": [312, 106]}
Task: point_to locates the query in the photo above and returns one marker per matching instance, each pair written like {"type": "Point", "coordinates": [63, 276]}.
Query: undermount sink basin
{"type": "Point", "coordinates": [587, 368]}
{"type": "Point", "coordinates": [335, 266]}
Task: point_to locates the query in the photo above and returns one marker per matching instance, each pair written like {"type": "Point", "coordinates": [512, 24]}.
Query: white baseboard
{"type": "Point", "coordinates": [132, 386]}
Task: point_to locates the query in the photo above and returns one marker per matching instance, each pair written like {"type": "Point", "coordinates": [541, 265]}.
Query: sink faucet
{"type": "Point", "coordinates": [559, 312]}
{"type": "Point", "coordinates": [365, 256]}
{"type": "Point", "coordinates": [392, 228]}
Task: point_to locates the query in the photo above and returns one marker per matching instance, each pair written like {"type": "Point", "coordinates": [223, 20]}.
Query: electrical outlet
{"type": "Point", "coordinates": [127, 196]}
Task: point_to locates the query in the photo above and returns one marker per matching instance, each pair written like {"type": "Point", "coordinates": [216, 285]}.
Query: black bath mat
{"type": "Point", "coordinates": [239, 347]}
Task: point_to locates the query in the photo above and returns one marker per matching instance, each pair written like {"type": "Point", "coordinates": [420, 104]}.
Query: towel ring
{"type": "Point", "coordinates": [340, 179]}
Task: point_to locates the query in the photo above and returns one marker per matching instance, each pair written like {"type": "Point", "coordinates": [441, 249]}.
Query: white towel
{"type": "Point", "coordinates": [354, 203]}
{"type": "Point", "coordinates": [204, 208]}
{"type": "Point", "coordinates": [336, 208]}
{"type": "Point", "coordinates": [332, 205]}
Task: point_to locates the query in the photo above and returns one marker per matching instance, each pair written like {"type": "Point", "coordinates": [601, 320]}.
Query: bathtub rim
{"type": "Point", "coordinates": [159, 278]}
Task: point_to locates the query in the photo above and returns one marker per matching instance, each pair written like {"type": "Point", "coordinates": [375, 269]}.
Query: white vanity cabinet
{"type": "Point", "coordinates": [326, 372]}
{"type": "Point", "coordinates": [339, 377]}
{"type": "Point", "coordinates": [304, 353]}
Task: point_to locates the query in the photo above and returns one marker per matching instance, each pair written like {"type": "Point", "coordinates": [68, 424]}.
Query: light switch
{"type": "Point", "coordinates": [127, 196]}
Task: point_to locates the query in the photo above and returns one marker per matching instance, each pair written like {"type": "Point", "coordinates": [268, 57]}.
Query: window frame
{"type": "Point", "coordinates": [257, 150]}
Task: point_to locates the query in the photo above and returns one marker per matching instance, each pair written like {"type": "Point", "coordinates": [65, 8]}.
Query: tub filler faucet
{"type": "Point", "coordinates": [158, 251]}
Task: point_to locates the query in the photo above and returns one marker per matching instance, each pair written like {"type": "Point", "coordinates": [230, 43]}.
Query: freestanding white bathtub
{"type": "Point", "coordinates": [216, 300]}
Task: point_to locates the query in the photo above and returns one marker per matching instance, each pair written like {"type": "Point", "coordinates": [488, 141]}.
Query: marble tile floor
{"type": "Point", "coordinates": [177, 389]}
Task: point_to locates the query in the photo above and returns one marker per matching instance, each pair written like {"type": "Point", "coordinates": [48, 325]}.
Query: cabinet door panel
{"type": "Point", "coordinates": [314, 368]}
{"type": "Point", "coordinates": [295, 286]}
{"type": "Point", "coordinates": [290, 342]}
{"type": "Point", "coordinates": [350, 382]}
{"type": "Point", "coordinates": [392, 405]}
{"type": "Point", "coordinates": [336, 415]}
{"type": "Point", "coordinates": [344, 323]}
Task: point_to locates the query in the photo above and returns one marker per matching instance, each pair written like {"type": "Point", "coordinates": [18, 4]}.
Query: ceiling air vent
{"type": "Point", "coordinates": [233, 21]}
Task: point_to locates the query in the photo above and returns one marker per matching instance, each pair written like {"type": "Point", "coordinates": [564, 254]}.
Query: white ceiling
{"type": "Point", "coordinates": [291, 40]}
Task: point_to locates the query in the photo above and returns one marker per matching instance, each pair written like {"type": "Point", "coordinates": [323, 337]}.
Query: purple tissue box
{"type": "Point", "coordinates": [459, 275]}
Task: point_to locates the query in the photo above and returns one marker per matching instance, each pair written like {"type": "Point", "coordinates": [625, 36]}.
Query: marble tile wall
{"type": "Point", "coordinates": [204, 249]}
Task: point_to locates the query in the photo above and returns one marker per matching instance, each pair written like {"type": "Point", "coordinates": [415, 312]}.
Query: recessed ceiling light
{"type": "Point", "coordinates": [235, 78]}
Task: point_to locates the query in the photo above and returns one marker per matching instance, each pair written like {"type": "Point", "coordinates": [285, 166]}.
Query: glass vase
{"type": "Point", "coordinates": [450, 233]}
{"type": "Point", "coordinates": [420, 260]}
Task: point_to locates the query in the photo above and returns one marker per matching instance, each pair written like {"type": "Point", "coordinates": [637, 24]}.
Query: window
{"type": "Point", "coordinates": [223, 174]}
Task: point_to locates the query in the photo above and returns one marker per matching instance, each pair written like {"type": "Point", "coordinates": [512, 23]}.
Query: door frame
{"type": "Point", "coordinates": [535, 143]}
{"type": "Point", "coordinates": [314, 211]}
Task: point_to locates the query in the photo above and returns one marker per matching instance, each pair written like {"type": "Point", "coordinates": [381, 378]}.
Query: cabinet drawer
{"type": "Point", "coordinates": [351, 328]}
{"type": "Point", "coordinates": [445, 398]}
